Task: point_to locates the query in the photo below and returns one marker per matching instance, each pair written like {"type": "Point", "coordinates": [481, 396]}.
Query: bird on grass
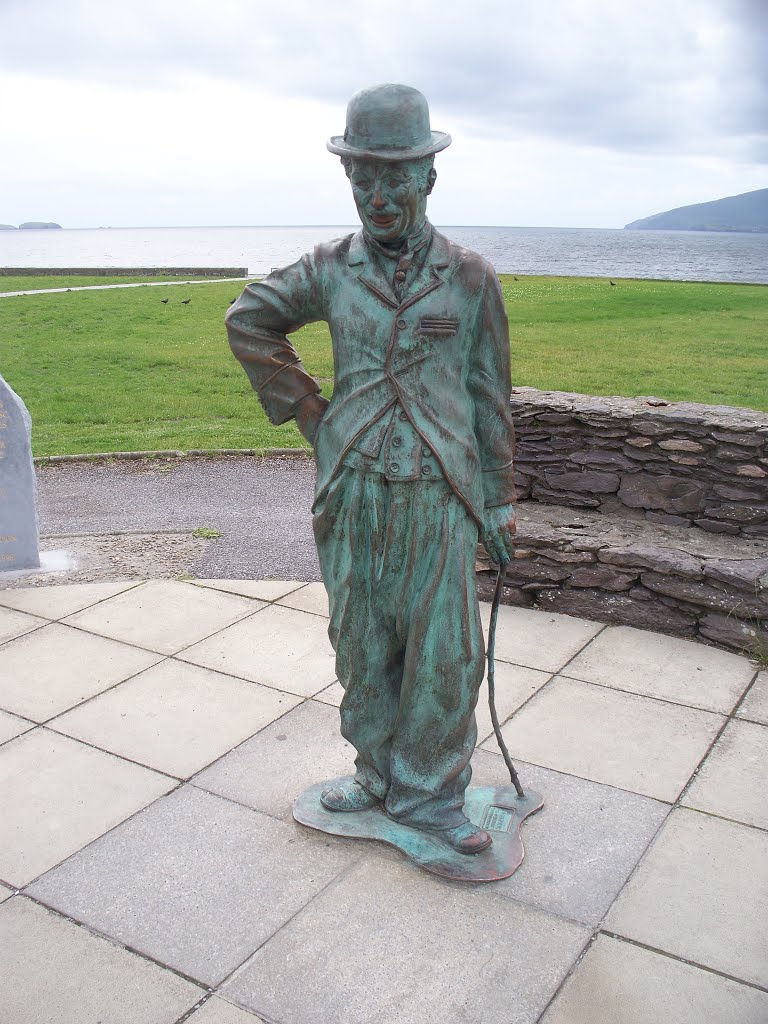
{"type": "Point", "coordinates": [185, 302]}
{"type": "Point", "coordinates": [164, 301]}
{"type": "Point", "coordinates": [612, 284]}
{"type": "Point", "coordinates": [516, 279]}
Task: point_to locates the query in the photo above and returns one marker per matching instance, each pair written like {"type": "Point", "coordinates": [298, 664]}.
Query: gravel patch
{"type": "Point", "coordinates": [102, 559]}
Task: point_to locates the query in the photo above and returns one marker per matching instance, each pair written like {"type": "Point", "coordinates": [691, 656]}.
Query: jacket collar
{"type": "Point", "coordinates": [367, 267]}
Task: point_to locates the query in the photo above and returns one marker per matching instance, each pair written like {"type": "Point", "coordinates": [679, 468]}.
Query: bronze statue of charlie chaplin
{"type": "Point", "coordinates": [414, 463]}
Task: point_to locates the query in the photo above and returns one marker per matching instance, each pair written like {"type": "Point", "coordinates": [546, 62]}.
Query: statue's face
{"type": "Point", "coordinates": [391, 198]}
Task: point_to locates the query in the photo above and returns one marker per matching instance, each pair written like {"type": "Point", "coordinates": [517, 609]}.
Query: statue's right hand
{"type": "Point", "coordinates": [309, 413]}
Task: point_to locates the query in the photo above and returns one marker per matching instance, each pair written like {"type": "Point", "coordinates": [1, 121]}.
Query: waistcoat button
{"type": "Point", "coordinates": [402, 324]}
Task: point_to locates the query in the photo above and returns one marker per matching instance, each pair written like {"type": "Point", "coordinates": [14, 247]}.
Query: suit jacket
{"type": "Point", "coordinates": [441, 352]}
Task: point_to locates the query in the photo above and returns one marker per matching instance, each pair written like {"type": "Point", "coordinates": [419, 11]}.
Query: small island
{"type": "Point", "coordinates": [38, 224]}
{"type": "Point", "coordinates": [745, 212]}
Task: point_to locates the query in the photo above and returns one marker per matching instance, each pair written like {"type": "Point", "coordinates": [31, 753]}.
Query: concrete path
{"type": "Point", "coordinates": [260, 506]}
{"type": "Point", "coordinates": [132, 284]}
{"type": "Point", "coordinates": [154, 735]}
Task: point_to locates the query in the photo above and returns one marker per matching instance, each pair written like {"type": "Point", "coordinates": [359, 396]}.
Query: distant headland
{"type": "Point", "coordinates": [745, 212]}
{"type": "Point", "coordinates": [30, 225]}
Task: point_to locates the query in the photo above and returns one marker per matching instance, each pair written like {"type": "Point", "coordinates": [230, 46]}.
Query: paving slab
{"type": "Point", "coordinates": [13, 623]}
{"type": "Point", "coordinates": [732, 780]}
{"type": "Point", "coordinates": [200, 879]}
{"type": "Point", "coordinates": [410, 948]}
{"type": "Point", "coordinates": [755, 704]}
{"type": "Point", "coordinates": [270, 770]}
{"type": "Point", "coordinates": [57, 667]}
{"type": "Point", "coordinates": [64, 599]}
{"type": "Point", "coordinates": [56, 795]}
{"type": "Point", "coordinates": [195, 881]}
{"type": "Point", "coordinates": [664, 666]}
{"type": "Point", "coordinates": [312, 598]}
{"type": "Point", "coordinates": [279, 647]}
{"type": "Point", "coordinates": [54, 971]}
{"type": "Point", "coordinates": [637, 743]}
{"type": "Point", "coordinates": [333, 694]}
{"type": "Point", "coordinates": [543, 640]}
{"type": "Point", "coordinates": [164, 616]}
{"type": "Point", "coordinates": [263, 590]}
{"type": "Point", "coordinates": [513, 686]}
{"type": "Point", "coordinates": [701, 893]}
{"type": "Point", "coordinates": [219, 1011]}
{"type": "Point", "coordinates": [176, 717]}
{"type": "Point", "coordinates": [619, 983]}
{"type": "Point", "coordinates": [581, 847]}
{"type": "Point", "coordinates": [11, 725]}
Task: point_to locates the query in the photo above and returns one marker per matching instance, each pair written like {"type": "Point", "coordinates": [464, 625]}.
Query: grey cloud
{"type": "Point", "coordinates": [672, 75]}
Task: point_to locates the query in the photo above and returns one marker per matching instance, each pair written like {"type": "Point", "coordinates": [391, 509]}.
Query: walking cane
{"type": "Point", "coordinates": [491, 686]}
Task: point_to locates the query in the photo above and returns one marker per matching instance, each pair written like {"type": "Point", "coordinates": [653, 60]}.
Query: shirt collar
{"type": "Point", "coordinates": [412, 244]}
{"type": "Point", "coordinates": [439, 251]}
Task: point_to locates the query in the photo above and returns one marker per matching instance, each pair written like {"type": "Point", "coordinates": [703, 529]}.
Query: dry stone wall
{"type": "Point", "coordinates": [643, 513]}
{"type": "Point", "coordinates": [675, 464]}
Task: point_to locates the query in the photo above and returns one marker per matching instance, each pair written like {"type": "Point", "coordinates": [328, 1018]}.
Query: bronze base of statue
{"type": "Point", "coordinates": [498, 809]}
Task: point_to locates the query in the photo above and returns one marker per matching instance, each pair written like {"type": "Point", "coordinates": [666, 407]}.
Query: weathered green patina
{"type": "Point", "coordinates": [498, 809]}
{"type": "Point", "coordinates": [414, 460]}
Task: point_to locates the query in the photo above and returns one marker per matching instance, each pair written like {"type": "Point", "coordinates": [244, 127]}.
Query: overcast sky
{"type": "Point", "coordinates": [584, 113]}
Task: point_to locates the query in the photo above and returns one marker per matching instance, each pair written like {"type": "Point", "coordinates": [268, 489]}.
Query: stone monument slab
{"type": "Point", "coordinates": [19, 548]}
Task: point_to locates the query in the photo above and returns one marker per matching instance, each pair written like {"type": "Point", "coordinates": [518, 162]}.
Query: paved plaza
{"type": "Point", "coordinates": [154, 735]}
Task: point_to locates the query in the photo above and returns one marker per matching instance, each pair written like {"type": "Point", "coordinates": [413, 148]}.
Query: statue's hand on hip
{"type": "Point", "coordinates": [309, 413]}
{"type": "Point", "coordinates": [498, 530]}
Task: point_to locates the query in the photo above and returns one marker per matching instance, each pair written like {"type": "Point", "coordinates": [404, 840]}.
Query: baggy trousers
{"type": "Point", "coordinates": [398, 562]}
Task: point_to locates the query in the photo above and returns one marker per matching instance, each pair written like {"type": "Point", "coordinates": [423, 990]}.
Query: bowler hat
{"type": "Point", "coordinates": [388, 122]}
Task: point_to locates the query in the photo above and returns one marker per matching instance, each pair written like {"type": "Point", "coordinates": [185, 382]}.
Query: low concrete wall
{"type": "Point", "coordinates": [124, 271]}
{"type": "Point", "coordinates": [642, 513]}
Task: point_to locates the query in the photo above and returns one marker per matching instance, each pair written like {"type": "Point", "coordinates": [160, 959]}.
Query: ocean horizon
{"type": "Point", "coordinates": [547, 251]}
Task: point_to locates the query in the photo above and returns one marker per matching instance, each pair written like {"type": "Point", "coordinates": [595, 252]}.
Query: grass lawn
{"type": "Point", "coordinates": [678, 340]}
{"type": "Point", "coordinates": [28, 282]}
{"type": "Point", "coordinates": [119, 370]}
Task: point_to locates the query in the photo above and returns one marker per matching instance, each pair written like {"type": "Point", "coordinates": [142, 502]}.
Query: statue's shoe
{"type": "Point", "coordinates": [465, 838]}
{"type": "Point", "coordinates": [348, 797]}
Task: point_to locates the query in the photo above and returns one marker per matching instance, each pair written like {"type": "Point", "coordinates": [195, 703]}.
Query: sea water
{"type": "Point", "coordinates": [609, 253]}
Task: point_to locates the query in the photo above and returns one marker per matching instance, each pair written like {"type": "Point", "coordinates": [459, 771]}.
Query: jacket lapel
{"type": "Point", "coordinates": [429, 277]}
{"type": "Point", "coordinates": [432, 273]}
{"type": "Point", "coordinates": [369, 272]}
